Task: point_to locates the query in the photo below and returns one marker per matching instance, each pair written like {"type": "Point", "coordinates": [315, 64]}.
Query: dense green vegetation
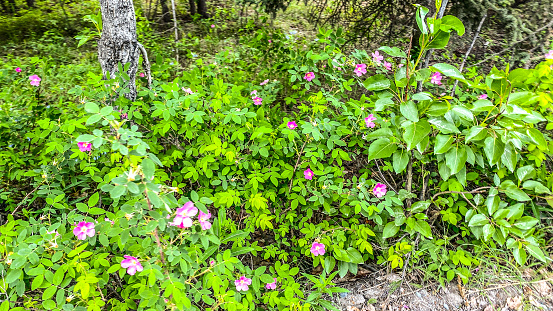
{"type": "Point", "coordinates": [261, 167]}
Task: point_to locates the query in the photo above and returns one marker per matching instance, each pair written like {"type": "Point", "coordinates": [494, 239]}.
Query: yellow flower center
{"type": "Point", "coordinates": [133, 262]}
{"type": "Point", "coordinates": [83, 229]}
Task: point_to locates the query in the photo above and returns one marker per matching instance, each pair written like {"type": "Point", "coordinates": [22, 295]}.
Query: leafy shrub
{"type": "Point", "coordinates": [295, 156]}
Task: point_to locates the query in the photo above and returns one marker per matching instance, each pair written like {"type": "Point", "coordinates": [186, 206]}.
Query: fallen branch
{"type": "Point", "coordinates": [146, 64]}
{"type": "Point", "coordinates": [517, 42]}
{"type": "Point", "coordinates": [469, 50]}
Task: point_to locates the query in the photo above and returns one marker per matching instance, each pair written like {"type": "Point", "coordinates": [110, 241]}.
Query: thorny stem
{"type": "Point", "coordinates": [156, 236]}
{"type": "Point", "coordinates": [409, 178]}
{"type": "Point", "coordinates": [477, 190]}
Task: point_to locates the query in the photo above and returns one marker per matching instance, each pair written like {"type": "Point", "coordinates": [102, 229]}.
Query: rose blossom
{"type": "Point", "coordinates": [308, 174]}
{"type": "Point", "coordinates": [292, 125]}
{"type": "Point", "coordinates": [309, 76]}
{"type": "Point", "coordinates": [242, 283]}
{"type": "Point", "coordinates": [84, 229]}
{"type": "Point", "coordinates": [131, 264]}
{"type": "Point", "coordinates": [379, 190]}
{"type": "Point", "coordinates": [317, 249]}
{"type": "Point", "coordinates": [84, 146]}
{"type": "Point", "coordinates": [369, 120]}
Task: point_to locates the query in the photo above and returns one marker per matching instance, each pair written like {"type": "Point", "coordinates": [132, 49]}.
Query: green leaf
{"type": "Point", "coordinates": [476, 133]}
{"type": "Point", "coordinates": [393, 51]}
{"type": "Point", "coordinates": [236, 235]}
{"type": "Point", "coordinates": [93, 199]}
{"type": "Point", "coordinates": [478, 220]}
{"type": "Point", "coordinates": [93, 119]}
{"type": "Point", "coordinates": [381, 148]}
{"type": "Point", "coordinates": [415, 132]}
{"type": "Point", "coordinates": [444, 126]}
{"type": "Point", "coordinates": [380, 133]}
{"type": "Point", "coordinates": [526, 223]}
{"type": "Point", "coordinates": [419, 206]}
{"type": "Point", "coordinates": [423, 228]}
{"type": "Point", "coordinates": [515, 193]}
{"type": "Point", "coordinates": [537, 137]}
{"type": "Point", "coordinates": [450, 22]}
{"type": "Point", "coordinates": [535, 186]}
{"type": "Point", "coordinates": [409, 111]}
{"type": "Point", "coordinates": [443, 143]}
{"type": "Point", "coordinates": [13, 275]}
{"type": "Point", "coordinates": [536, 252]}
{"type": "Point", "coordinates": [420, 17]}
{"type": "Point", "coordinates": [526, 172]}
{"type": "Point", "coordinates": [148, 168]}
{"type": "Point", "coordinates": [390, 230]}
{"type": "Point", "coordinates": [439, 41]}
{"type": "Point", "coordinates": [117, 191]}
{"type": "Point", "coordinates": [456, 158]}
{"type": "Point", "coordinates": [377, 82]}
{"type": "Point", "coordinates": [493, 148]}
{"type": "Point", "coordinates": [265, 278]}
{"type": "Point", "coordinates": [49, 292]}
{"type": "Point", "coordinates": [520, 255]}
{"type": "Point", "coordinates": [354, 256]}
{"type": "Point", "coordinates": [400, 160]}
{"type": "Point", "coordinates": [449, 71]}
{"type": "Point", "coordinates": [91, 107]}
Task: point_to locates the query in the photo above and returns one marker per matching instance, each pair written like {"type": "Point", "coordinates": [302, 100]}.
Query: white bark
{"type": "Point", "coordinates": [118, 43]}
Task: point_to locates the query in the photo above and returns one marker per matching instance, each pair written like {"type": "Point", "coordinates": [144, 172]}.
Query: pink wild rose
{"type": "Point", "coordinates": [84, 146]}
{"type": "Point", "coordinates": [131, 264]}
{"type": "Point", "coordinates": [264, 82]}
{"type": "Point", "coordinates": [271, 285]}
{"type": "Point", "coordinates": [257, 100]}
{"type": "Point", "coordinates": [436, 78]}
{"type": "Point", "coordinates": [109, 220]}
{"type": "Point", "coordinates": [379, 190]}
{"type": "Point", "coordinates": [242, 283]}
{"type": "Point", "coordinates": [183, 214]}
{"type": "Point", "coordinates": [270, 41]}
{"type": "Point", "coordinates": [35, 80]}
{"type": "Point", "coordinates": [203, 218]}
{"type": "Point", "coordinates": [377, 58]}
{"type": "Point", "coordinates": [292, 125]}
{"type": "Point", "coordinates": [84, 229]}
{"type": "Point", "coordinates": [360, 69]}
{"type": "Point", "coordinates": [388, 66]}
{"type": "Point", "coordinates": [253, 92]}
{"type": "Point", "coordinates": [17, 69]}
{"type": "Point", "coordinates": [309, 76]}
{"type": "Point", "coordinates": [212, 26]}
{"type": "Point", "coordinates": [369, 120]}
{"type": "Point", "coordinates": [142, 75]}
{"type": "Point", "coordinates": [188, 91]}
{"type": "Point", "coordinates": [317, 249]}
{"type": "Point", "coordinates": [308, 174]}
{"type": "Point", "coordinates": [549, 55]}
{"type": "Point", "coordinates": [483, 96]}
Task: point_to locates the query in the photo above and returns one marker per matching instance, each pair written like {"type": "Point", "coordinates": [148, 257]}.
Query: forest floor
{"type": "Point", "coordinates": [383, 291]}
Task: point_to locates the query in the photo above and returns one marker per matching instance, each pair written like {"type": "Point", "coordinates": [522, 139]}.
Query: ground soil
{"type": "Point", "coordinates": [385, 291]}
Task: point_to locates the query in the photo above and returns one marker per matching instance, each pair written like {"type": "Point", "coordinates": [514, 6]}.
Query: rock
{"type": "Point", "coordinates": [489, 308]}
{"type": "Point", "coordinates": [454, 299]}
{"type": "Point", "coordinates": [352, 300]}
{"type": "Point", "coordinates": [514, 303]}
{"type": "Point", "coordinates": [543, 288]}
{"type": "Point", "coordinates": [369, 308]}
{"type": "Point", "coordinates": [351, 308]}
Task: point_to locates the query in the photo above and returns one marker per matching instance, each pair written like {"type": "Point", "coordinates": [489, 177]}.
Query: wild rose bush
{"type": "Point", "coordinates": [214, 190]}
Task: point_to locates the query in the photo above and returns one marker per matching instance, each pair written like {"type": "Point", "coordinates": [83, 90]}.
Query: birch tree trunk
{"type": "Point", "coordinates": [119, 43]}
